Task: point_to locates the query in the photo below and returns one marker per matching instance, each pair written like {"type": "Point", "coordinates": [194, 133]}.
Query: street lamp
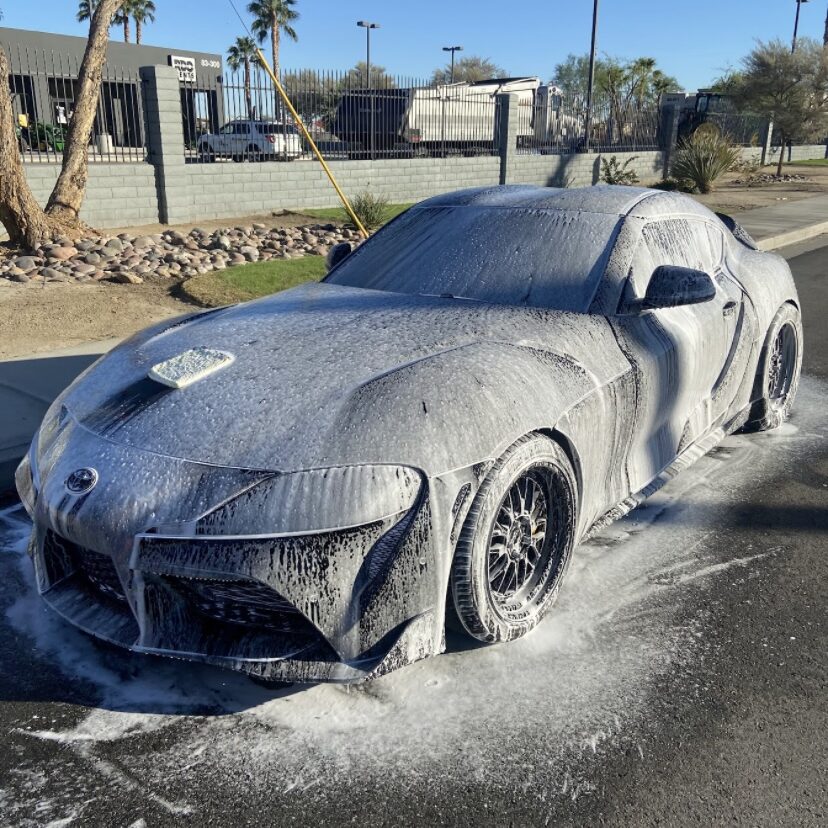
{"type": "Point", "coordinates": [796, 23]}
{"type": "Point", "coordinates": [452, 49]}
{"type": "Point", "coordinates": [368, 26]}
{"type": "Point", "coordinates": [588, 126]}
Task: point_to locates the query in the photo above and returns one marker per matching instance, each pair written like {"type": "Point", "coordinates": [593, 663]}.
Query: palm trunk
{"type": "Point", "coordinates": [20, 214]}
{"type": "Point", "coordinates": [126, 29]}
{"type": "Point", "coordinates": [138, 30]}
{"type": "Point", "coordinates": [67, 196]}
{"type": "Point", "coordinates": [247, 96]}
{"type": "Point", "coordinates": [274, 47]}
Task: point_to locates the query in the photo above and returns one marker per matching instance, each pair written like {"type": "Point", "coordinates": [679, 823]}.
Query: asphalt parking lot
{"type": "Point", "coordinates": [680, 680]}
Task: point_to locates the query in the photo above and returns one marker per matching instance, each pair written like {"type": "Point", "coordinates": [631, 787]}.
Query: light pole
{"type": "Point", "coordinates": [452, 49]}
{"type": "Point", "coordinates": [368, 26]}
{"type": "Point", "coordinates": [588, 126]}
{"type": "Point", "coordinates": [796, 23]}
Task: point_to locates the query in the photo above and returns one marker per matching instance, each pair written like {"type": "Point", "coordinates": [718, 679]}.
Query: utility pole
{"type": "Point", "coordinates": [452, 49]}
{"type": "Point", "coordinates": [796, 23]}
{"type": "Point", "coordinates": [368, 26]}
{"type": "Point", "coordinates": [588, 125]}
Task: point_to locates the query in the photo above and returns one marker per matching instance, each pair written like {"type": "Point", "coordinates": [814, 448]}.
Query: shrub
{"type": "Point", "coordinates": [670, 185]}
{"type": "Point", "coordinates": [370, 209]}
{"type": "Point", "coordinates": [614, 172]}
{"type": "Point", "coordinates": [702, 158]}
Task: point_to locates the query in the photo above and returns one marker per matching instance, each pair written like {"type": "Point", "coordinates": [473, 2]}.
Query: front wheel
{"type": "Point", "coordinates": [777, 376]}
{"type": "Point", "coordinates": [516, 542]}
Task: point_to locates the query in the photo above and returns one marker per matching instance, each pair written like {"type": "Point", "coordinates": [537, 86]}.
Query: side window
{"type": "Point", "coordinates": [228, 129]}
{"type": "Point", "coordinates": [243, 129]}
{"type": "Point", "coordinates": [682, 241]}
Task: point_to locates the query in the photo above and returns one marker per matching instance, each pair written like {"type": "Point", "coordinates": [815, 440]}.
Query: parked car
{"type": "Point", "coordinates": [305, 487]}
{"type": "Point", "coordinates": [251, 141]}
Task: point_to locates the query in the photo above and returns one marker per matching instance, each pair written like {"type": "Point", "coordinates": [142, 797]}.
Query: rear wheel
{"type": "Point", "coordinates": [516, 542]}
{"type": "Point", "coordinates": [777, 376]}
{"type": "Point", "coordinates": [252, 153]}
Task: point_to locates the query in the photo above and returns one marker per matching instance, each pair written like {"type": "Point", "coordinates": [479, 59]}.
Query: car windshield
{"type": "Point", "coordinates": [510, 256]}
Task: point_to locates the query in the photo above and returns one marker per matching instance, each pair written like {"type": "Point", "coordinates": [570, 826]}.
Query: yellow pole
{"type": "Point", "coordinates": [280, 89]}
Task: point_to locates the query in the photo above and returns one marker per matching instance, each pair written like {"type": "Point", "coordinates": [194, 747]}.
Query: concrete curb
{"type": "Point", "coordinates": [793, 236]}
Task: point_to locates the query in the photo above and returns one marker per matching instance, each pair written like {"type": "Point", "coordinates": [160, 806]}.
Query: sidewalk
{"type": "Point", "coordinates": [29, 384]}
{"type": "Point", "coordinates": [786, 223]}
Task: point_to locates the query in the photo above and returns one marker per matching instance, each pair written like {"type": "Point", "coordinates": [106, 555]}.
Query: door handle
{"type": "Point", "coordinates": [729, 309]}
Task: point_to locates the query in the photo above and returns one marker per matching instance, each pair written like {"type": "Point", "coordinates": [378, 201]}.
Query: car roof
{"type": "Point", "coordinates": [602, 198]}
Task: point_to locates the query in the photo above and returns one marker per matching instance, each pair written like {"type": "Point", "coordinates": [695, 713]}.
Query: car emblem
{"type": "Point", "coordinates": [81, 481]}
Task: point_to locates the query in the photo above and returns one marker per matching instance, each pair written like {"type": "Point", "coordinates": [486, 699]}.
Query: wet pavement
{"type": "Point", "coordinates": [680, 680]}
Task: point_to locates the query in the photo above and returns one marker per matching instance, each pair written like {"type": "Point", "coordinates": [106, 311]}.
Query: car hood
{"type": "Point", "coordinates": [303, 361]}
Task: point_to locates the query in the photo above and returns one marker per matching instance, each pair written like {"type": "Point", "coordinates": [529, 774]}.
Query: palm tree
{"type": "Point", "coordinates": [271, 18]}
{"type": "Point", "coordinates": [243, 53]}
{"type": "Point", "coordinates": [142, 11]}
{"type": "Point", "coordinates": [86, 8]}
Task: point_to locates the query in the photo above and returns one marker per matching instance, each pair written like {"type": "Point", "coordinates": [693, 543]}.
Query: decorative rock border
{"type": "Point", "coordinates": [169, 255]}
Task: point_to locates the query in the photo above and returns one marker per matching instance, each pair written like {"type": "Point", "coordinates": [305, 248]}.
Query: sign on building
{"type": "Point", "coordinates": [186, 67]}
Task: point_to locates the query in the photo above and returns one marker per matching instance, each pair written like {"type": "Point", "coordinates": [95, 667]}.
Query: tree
{"type": "Point", "coordinates": [380, 79]}
{"type": "Point", "coordinates": [142, 11]}
{"type": "Point", "coordinates": [468, 69]}
{"type": "Point", "coordinates": [243, 54]}
{"type": "Point", "coordinates": [25, 221]}
{"type": "Point", "coordinates": [271, 18]}
{"type": "Point", "coordinates": [86, 8]}
{"type": "Point", "coordinates": [639, 80]}
{"type": "Point", "coordinates": [790, 89]}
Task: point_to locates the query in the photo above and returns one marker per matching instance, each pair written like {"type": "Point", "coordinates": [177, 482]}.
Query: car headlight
{"type": "Point", "coordinates": [316, 500]}
{"type": "Point", "coordinates": [26, 480]}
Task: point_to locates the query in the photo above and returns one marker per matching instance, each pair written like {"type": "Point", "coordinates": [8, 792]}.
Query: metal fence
{"type": "Point", "coordinates": [242, 118]}
{"type": "Point", "coordinates": [741, 129]}
{"type": "Point", "coordinates": [555, 123]}
{"type": "Point", "coordinates": [44, 87]}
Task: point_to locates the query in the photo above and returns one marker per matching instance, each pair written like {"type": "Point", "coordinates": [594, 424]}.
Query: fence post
{"type": "Point", "coordinates": [767, 137]}
{"type": "Point", "coordinates": [165, 140]}
{"type": "Point", "coordinates": [670, 116]}
{"type": "Point", "coordinates": [507, 130]}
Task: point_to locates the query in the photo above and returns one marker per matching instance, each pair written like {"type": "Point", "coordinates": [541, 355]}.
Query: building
{"type": "Point", "coordinates": [43, 82]}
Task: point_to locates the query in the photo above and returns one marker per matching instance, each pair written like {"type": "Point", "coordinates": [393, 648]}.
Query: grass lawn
{"type": "Point", "coordinates": [813, 162]}
{"type": "Point", "coordinates": [339, 214]}
{"type": "Point", "coordinates": [245, 282]}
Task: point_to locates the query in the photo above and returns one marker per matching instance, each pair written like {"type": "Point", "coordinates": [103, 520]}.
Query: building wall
{"type": "Point", "coordinates": [117, 195]}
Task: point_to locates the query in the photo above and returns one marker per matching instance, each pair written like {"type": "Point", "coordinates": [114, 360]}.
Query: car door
{"type": "Point", "coordinates": [677, 353]}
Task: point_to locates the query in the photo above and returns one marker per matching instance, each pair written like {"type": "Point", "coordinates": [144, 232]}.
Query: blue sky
{"type": "Point", "coordinates": [692, 40]}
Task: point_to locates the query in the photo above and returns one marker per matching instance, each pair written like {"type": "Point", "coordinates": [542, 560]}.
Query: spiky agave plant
{"type": "Point", "coordinates": [703, 158]}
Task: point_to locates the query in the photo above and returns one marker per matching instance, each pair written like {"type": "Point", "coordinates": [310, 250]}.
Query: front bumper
{"type": "Point", "coordinates": [147, 567]}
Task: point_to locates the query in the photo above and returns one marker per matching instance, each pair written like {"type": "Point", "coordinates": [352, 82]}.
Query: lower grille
{"type": "Point", "coordinates": [97, 569]}
{"type": "Point", "coordinates": [243, 602]}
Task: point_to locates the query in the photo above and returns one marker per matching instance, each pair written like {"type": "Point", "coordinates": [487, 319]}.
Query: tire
{"type": "Point", "coordinates": [497, 594]}
{"type": "Point", "coordinates": [205, 154]}
{"type": "Point", "coordinates": [777, 376]}
{"type": "Point", "coordinates": [252, 154]}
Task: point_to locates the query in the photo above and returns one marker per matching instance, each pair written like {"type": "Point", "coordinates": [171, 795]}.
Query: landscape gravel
{"type": "Point", "coordinates": [132, 259]}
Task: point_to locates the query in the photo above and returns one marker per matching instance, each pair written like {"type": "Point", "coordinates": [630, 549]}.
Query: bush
{"type": "Point", "coordinates": [670, 185]}
{"type": "Point", "coordinates": [613, 172]}
{"type": "Point", "coordinates": [702, 158]}
{"type": "Point", "coordinates": [370, 209]}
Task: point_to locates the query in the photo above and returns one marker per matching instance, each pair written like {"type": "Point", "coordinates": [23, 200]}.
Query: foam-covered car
{"type": "Point", "coordinates": [309, 486]}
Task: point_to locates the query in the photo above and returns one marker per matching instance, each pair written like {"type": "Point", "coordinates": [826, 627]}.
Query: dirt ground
{"type": "Point", "coordinates": [36, 319]}
{"type": "Point", "coordinates": [733, 198]}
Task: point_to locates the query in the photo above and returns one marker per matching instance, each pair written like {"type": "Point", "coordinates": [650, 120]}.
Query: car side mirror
{"type": "Point", "coordinates": [672, 286]}
{"type": "Point", "coordinates": [337, 253]}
